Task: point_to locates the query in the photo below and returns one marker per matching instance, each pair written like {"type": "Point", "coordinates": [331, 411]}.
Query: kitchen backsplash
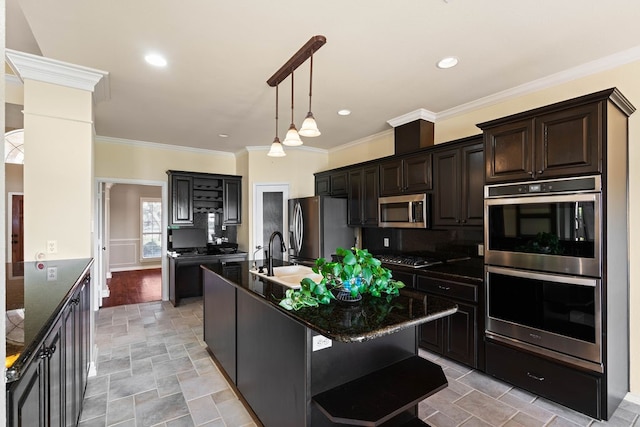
{"type": "Point", "coordinates": [463, 241]}
{"type": "Point", "coordinates": [213, 223]}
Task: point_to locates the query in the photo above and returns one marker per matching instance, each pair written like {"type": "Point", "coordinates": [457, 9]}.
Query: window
{"type": "Point", "coordinates": [151, 221]}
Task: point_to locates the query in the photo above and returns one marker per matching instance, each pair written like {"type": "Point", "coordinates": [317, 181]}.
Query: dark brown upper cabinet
{"type": "Point", "coordinates": [362, 200]}
{"type": "Point", "coordinates": [459, 184]}
{"type": "Point", "coordinates": [181, 191]}
{"type": "Point", "coordinates": [409, 174]}
{"type": "Point", "coordinates": [560, 140]}
{"type": "Point", "coordinates": [333, 183]}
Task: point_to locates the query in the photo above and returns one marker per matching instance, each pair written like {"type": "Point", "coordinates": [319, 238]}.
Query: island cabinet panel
{"type": "Point", "coordinates": [220, 321]}
{"type": "Point", "coordinates": [26, 405]}
{"type": "Point", "coordinates": [272, 363]}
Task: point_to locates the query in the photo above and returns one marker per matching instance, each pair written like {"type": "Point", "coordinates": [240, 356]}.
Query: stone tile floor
{"type": "Point", "coordinates": [153, 370]}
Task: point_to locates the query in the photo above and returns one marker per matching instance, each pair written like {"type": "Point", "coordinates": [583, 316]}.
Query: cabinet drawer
{"type": "Point", "coordinates": [449, 289]}
{"type": "Point", "coordinates": [575, 389]}
{"type": "Point", "coordinates": [207, 184]}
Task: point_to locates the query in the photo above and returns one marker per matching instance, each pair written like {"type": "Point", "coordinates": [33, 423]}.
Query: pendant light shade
{"type": "Point", "coordinates": [292, 139]}
{"type": "Point", "coordinates": [309, 127]}
{"type": "Point", "coordinates": [276, 148]}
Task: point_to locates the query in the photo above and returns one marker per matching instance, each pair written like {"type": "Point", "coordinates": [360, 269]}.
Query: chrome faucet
{"type": "Point", "coordinates": [283, 248]}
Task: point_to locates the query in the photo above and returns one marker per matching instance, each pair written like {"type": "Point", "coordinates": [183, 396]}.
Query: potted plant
{"type": "Point", "coordinates": [354, 273]}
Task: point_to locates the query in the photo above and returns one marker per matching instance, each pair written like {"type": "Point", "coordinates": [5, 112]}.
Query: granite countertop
{"type": "Point", "coordinates": [205, 257]}
{"type": "Point", "coordinates": [33, 303]}
{"type": "Point", "coordinates": [346, 322]}
{"type": "Point", "coordinates": [469, 270]}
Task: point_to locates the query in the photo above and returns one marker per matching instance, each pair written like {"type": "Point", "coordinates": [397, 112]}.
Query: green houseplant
{"type": "Point", "coordinates": [356, 272]}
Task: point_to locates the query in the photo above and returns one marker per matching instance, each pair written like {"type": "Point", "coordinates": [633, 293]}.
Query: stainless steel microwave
{"type": "Point", "coordinates": [406, 211]}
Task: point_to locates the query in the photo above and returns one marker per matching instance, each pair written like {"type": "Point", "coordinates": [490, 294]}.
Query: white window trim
{"type": "Point", "coordinates": [142, 258]}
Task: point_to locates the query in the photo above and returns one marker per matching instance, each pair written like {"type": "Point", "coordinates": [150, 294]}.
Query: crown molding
{"type": "Point", "coordinates": [12, 80]}
{"type": "Point", "coordinates": [39, 68]}
{"type": "Point", "coordinates": [286, 148]}
{"type": "Point", "coordinates": [420, 113]}
{"type": "Point", "coordinates": [364, 140]}
{"type": "Point", "coordinates": [159, 146]}
{"type": "Point", "coordinates": [584, 70]}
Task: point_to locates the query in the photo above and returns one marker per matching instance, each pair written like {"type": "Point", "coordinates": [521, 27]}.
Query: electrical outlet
{"type": "Point", "coordinates": [385, 242]}
{"type": "Point", "coordinates": [320, 342]}
{"type": "Point", "coordinates": [480, 250]}
{"type": "Point", "coordinates": [52, 273]}
{"type": "Point", "coordinates": [52, 246]}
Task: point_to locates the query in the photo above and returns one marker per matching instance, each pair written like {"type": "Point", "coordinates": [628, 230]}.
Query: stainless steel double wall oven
{"type": "Point", "coordinates": [543, 253]}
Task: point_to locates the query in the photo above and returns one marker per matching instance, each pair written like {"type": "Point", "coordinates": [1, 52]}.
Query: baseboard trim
{"type": "Point", "coordinates": [93, 371]}
{"type": "Point", "coordinates": [136, 267]}
{"type": "Point", "coordinates": [105, 293]}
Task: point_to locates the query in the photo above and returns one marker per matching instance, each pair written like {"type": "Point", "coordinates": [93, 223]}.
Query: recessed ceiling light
{"type": "Point", "coordinates": [156, 60]}
{"type": "Point", "coordinates": [448, 62]}
{"type": "Point", "coordinates": [344, 112]}
{"type": "Point", "coordinates": [223, 135]}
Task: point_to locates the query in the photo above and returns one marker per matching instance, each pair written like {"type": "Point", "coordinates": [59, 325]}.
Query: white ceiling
{"type": "Point", "coordinates": [379, 59]}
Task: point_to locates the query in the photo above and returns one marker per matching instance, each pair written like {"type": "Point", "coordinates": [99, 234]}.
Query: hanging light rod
{"type": "Point", "coordinates": [314, 43]}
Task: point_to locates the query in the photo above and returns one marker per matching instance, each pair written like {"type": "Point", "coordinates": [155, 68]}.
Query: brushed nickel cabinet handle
{"type": "Point", "coordinates": [535, 377]}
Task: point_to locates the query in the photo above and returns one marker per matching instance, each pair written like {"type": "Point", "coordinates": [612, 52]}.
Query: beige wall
{"type": "Point", "coordinates": [371, 147]}
{"type": "Point", "coordinates": [58, 175]}
{"type": "Point", "coordinates": [13, 178]}
{"type": "Point", "coordinates": [626, 79]}
{"type": "Point", "coordinates": [150, 162]}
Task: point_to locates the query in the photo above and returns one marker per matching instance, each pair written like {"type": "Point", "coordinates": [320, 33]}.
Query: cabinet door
{"type": "Point", "coordinates": [446, 198]}
{"type": "Point", "coordinates": [472, 181]}
{"type": "Point", "coordinates": [339, 184]}
{"type": "Point", "coordinates": [232, 201]}
{"type": "Point", "coordinates": [354, 198]}
{"type": "Point", "coordinates": [370, 196]}
{"type": "Point", "coordinates": [55, 375]}
{"type": "Point", "coordinates": [323, 185]}
{"type": "Point", "coordinates": [431, 336]}
{"type": "Point", "coordinates": [85, 347]}
{"type": "Point", "coordinates": [460, 337]}
{"type": "Point", "coordinates": [26, 398]}
{"type": "Point", "coordinates": [181, 199]}
{"type": "Point", "coordinates": [568, 142]}
{"type": "Point", "coordinates": [417, 173]}
{"type": "Point", "coordinates": [509, 152]}
{"type": "Point", "coordinates": [391, 179]}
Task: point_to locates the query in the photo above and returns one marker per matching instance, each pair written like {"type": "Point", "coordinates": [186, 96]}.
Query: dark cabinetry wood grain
{"type": "Point", "coordinates": [362, 206]}
{"type": "Point", "coordinates": [408, 174]}
{"type": "Point", "coordinates": [458, 184]}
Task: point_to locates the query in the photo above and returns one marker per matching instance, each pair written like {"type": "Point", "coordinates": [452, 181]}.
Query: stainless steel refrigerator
{"type": "Point", "coordinates": [317, 226]}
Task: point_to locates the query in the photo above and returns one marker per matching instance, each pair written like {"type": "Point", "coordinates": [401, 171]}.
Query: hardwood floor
{"type": "Point", "coordinates": [134, 287]}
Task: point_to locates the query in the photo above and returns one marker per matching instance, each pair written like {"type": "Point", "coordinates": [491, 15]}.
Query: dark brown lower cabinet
{"type": "Point", "coordinates": [457, 337]}
{"type": "Point", "coordinates": [51, 386]}
{"type": "Point", "coordinates": [568, 386]}
{"type": "Point", "coordinates": [454, 337]}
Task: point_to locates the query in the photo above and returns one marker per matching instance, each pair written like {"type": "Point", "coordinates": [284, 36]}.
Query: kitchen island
{"type": "Point", "coordinates": [339, 364]}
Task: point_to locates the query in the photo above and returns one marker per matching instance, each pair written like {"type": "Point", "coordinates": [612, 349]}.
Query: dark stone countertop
{"type": "Point", "coordinates": [346, 322]}
{"type": "Point", "coordinates": [33, 304]}
{"type": "Point", "coordinates": [470, 270]}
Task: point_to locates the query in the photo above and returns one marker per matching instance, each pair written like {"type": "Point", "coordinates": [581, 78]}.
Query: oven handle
{"type": "Point", "coordinates": [550, 277]}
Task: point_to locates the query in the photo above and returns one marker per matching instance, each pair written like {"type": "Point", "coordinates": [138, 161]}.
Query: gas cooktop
{"type": "Point", "coordinates": [419, 260]}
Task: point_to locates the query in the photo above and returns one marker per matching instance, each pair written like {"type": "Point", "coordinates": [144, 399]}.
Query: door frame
{"type": "Point", "coordinates": [258, 190]}
{"type": "Point", "coordinates": [100, 284]}
{"type": "Point", "coordinates": [9, 218]}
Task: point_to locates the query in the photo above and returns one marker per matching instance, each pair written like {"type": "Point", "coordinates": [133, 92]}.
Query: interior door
{"type": "Point", "coordinates": [270, 214]}
{"type": "Point", "coordinates": [17, 234]}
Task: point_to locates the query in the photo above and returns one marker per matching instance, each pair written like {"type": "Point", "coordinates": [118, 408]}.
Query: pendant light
{"type": "Point", "coordinates": [309, 126]}
{"type": "Point", "coordinates": [276, 148]}
{"type": "Point", "coordinates": [292, 139]}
